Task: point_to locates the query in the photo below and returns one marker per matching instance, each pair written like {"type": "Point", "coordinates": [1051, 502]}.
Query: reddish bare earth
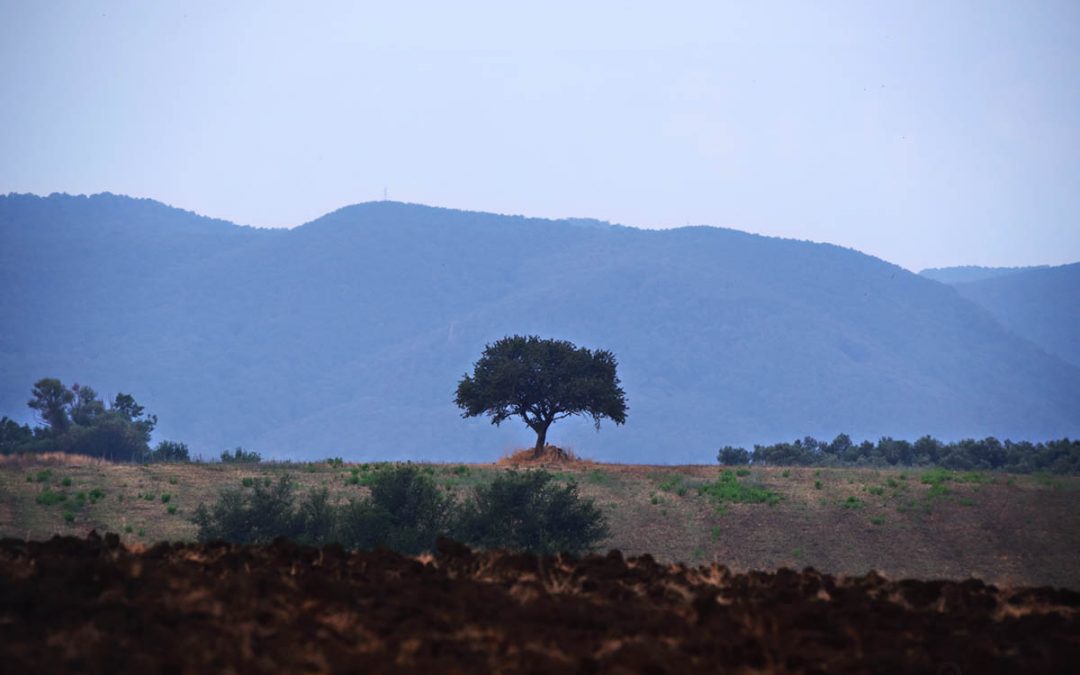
{"type": "Point", "coordinates": [95, 606]}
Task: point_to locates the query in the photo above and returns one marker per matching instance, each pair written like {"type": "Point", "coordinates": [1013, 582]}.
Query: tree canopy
{"type": "Point", "coordinates": [78, 422]}
{"type": "Point", "coordinates": [541, 381]}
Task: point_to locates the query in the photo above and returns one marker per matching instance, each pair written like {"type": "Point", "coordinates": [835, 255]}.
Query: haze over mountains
{"type": "Point", "coordinates": [347, 335]}
{"type": "Point", "coordinates": [1041, 304]}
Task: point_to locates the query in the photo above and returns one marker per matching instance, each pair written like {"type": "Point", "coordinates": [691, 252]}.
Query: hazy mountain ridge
{"type": "Point", "coordinates": [966, 273]}
{"type": "Point", "coordinates": [347, 335]}
{"type": "Point", "coordinates": [1039, 304]}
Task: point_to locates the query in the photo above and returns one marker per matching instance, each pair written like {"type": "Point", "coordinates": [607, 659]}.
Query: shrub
{"type": "Point", "coordinates": [240, 456]}
{"type": "Point", "coordinates": [170, 451]}
{"type": "Point", "coordinates": [727, 488]}
{"type": "Point", "coordinates": [852, 503]}
{"type": "Point", "coordinates": [247, 481]}
{"type": "Point", "coordinates": [165, 497]}
{"type": "Point", "coordinates": [171, 510]}
{"type": "Point", "coordinates": [66, 482]}
{"type": "Point", "coordinates": [48, 498]}
{"type": "Point", "coordinates": [257, 516]}
{"type": "Point", "coordinates": [406, 512]}
{"type": "Point", "coordinates": [530, 511]}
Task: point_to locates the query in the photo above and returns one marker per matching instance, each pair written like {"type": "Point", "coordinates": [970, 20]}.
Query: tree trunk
{"type": "Point", "coordinates": [541, 439]}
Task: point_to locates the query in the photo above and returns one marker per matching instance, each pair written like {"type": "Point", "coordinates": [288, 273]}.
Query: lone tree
{"type": "Point", "coordinates": [542, 381]}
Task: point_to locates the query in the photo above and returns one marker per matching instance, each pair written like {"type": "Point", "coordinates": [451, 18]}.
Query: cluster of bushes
{"type": "Point", "coordinates": [406, 511]}
{"type": "Point", "coordinates": [240, 456]}
{"type": "Point", "coordinates": [77, 421]}
{"type": "Point", "coordinates": [1061, 456]}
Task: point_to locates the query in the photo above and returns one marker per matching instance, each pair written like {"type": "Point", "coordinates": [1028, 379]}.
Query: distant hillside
{"type": "Point", "coordinates": [347, 335]}
{"type": "Point", "coordinates": [965, 273]}
{"type": "Point", "coordinates": [1041, 304]}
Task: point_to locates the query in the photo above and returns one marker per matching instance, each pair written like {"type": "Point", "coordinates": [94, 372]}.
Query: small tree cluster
{"type": "Point", "coordinates": [406, 512]}
{"type": "Point", "coordinates": [990, 454]}
{"type": "Point", "coordinates": [240, 456]}
{"type": "Point", "coordinates": [75, 420]}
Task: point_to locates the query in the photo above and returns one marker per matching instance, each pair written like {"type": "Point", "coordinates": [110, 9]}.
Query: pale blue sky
{"type": "Point", "coordinates": [924, 133]}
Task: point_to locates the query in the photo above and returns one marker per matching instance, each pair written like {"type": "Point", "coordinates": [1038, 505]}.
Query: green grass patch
{"type": "Point", "coordinates": [48, 497]}
{"type": "Point", "coordinates": [876, 490]}
{"type": "Point", "coordinates": [66, 482]}
{"type": "Point", "coordinates": [43, 476]}
{"type": "Point", "coordinates": [675, 484]}
{"type": "Point", "coordinates": [728, 490]}
{"type": "Point", "coordinates": [598, 477]}
{"type": "Point", "coordinates": [936, 476]}
{"type": "Point", "coordinates": [852, 503]}
{"type": "Point", "coordinates": [877, 520]}
{"type": "Point", "coordinates": [741, 473]}
{"type": "Point", "coordinates": [937, 491]}
{"type": "Point", "coordinates": [165, 497]}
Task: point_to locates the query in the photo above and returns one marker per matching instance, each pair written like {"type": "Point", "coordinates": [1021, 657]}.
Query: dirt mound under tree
{"type": "Point", "coordinates": [93, 605]}
{"type": "Point", "coordinates": [552, 455]}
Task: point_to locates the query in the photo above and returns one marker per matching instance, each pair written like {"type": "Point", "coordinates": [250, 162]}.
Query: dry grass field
{"type": "Point", "coordinates": [1006, 529]}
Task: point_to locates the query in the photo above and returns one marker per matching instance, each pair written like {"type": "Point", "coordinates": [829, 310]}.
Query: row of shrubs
{"type": "Point", "coordinates": [989, 454]}
{"type": "Point", "coordinates": [406, 511]}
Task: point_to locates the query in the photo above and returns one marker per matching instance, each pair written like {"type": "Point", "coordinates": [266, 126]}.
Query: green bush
{"type": "Point", "coordinates": [240, 456]}
{"type": "Point", "coordinates": [530, 511]}
{"type": "Point", "coordinates": [66, 482]}
{"type": "Point", "coordinates": [728, 489]}
{"type": "Point", "coordinates": [165, 497]}
{"type": "Point", "coordinates": [48, 498]}
{"type": "Point", "coordinates": [255, 516]}
{"type": "Point", "coordinates": [852, 503]}
{"type": "Point", "coordinates": [406, 512]}
{"type": "Point", "coordinates": [170, 451]}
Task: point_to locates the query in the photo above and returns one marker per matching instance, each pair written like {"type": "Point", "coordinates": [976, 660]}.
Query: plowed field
{"type": "Point", "coordinates": [94, 605]}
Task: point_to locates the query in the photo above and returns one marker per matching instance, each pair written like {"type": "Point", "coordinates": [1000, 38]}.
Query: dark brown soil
{"type": "Point", "coordinates": [92, 605]}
